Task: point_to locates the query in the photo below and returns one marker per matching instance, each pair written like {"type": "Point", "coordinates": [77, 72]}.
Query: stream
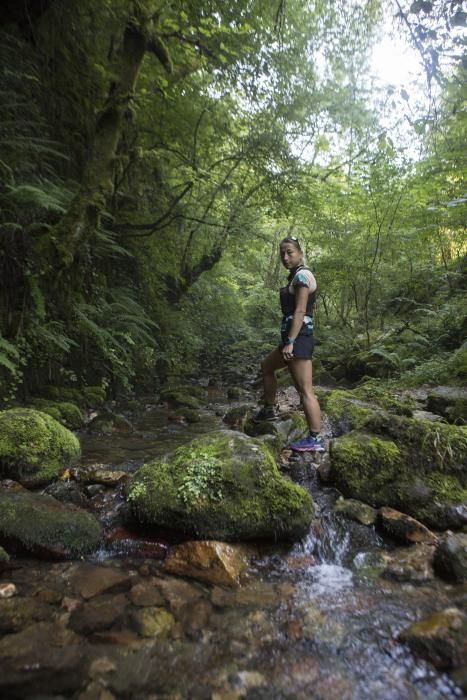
{"type": "Point", "coordinates": [312, 620]}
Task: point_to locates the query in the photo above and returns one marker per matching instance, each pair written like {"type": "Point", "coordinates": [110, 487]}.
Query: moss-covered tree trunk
{"type": "Point", "coordinates": [82, 217]}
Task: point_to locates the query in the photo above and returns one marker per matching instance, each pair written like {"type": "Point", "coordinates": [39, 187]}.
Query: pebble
{"type": "Point", "coordinates": [8, 590]}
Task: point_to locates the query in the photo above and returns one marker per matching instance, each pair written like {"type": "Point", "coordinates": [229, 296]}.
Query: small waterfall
{"type": "Point", "coordinates": [329, 542]}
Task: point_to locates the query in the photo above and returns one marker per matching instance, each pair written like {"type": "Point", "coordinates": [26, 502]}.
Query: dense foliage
{"type": "Point", "coordinates": [152, 156]}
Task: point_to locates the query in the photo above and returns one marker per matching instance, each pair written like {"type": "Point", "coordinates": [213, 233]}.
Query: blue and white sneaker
{"type": "Point", "coordinates": [307, 444]}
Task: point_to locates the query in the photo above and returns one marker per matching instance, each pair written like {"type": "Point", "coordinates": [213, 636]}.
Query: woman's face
{"type": "Point", "coordinates": [291, 256]}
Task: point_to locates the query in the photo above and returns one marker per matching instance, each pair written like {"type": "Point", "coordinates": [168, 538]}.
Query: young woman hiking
{"type": "Point", "coordinates": [296, 349]}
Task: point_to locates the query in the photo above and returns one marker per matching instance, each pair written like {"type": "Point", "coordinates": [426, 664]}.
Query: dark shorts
{"type": "Point", "coordinates": [303, 346]}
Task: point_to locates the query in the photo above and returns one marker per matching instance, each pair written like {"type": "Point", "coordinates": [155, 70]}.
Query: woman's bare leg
{"type": "Point", "coordinates": [269, 366]}
{"type": "Point", "coordinates": [301, 371]}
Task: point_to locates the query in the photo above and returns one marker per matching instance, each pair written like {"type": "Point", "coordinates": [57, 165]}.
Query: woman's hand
{"type": "Point", "coordinates": [287, 352]}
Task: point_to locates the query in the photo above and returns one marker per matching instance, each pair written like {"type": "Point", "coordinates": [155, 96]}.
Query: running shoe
{"type": "Point", "coordinates": [307, 444]}
{"type": "Point", "coordinates": [266, 413]}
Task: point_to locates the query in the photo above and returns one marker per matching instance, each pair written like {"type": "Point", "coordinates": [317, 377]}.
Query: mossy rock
{"type": "Point", "coordinates": [225, 486]}
{"type": "Point", "coordinates": [66, 413]}
{"type": "Point", "coordinates": [176, 398]}
{"type": "Point", "coordinates": [419, 473]}
{"type": "Point", "coordinates": [449, 402]}
{"type": "Point", "coordinates": [108, 423]}
{"type": "Point", "coordinates": [34, 447]}
{"type": "Point", "coordinates": [37, 522]}
{"type": "Point", "coordinates": [347, 412]}
{"type": "Point", "coordinates": [94, 396]}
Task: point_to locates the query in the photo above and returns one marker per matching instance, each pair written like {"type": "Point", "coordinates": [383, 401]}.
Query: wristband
{"type": "Point", "coordinates": [290, 341]}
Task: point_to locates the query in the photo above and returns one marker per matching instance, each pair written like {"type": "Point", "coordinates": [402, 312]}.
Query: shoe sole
{"type": "Point", "coordinates": [307, 449]}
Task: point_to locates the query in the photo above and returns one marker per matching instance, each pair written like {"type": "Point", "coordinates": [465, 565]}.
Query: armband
{"type": "Point", "coordinates": [290, 341]}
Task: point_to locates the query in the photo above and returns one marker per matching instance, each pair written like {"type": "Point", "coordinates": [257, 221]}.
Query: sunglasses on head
{"type": "Point", "coordinates": [294, 239]}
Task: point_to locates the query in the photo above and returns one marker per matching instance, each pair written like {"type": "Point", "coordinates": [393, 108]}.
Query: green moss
{"type": "Point", "coordinates": [179, 398]}
{"type": "Point", "coordinates": [94, 396]}
{"type": "Point", "coordinates": [66, 413]}
{"type": "Point", "coordinates": [225, 486]}
{"type": "Point", "coordinates": [366, 467]}
{"type": "Point", "coordinates": [349, 413]}
{"type": "Point", "coordinates": [33, 446]}
{"type": "Point", "coordinates": [446, 488]}
{"type": "Point", "coordinates": [383, 395]}
{"type": "Point", "coordinates": [36, 520]}
{"type": "Point", "coordinates": [429, 446]}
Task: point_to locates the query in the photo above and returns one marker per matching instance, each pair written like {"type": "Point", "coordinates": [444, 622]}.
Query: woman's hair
{"type": "Point", "coordinates": [294, 240]}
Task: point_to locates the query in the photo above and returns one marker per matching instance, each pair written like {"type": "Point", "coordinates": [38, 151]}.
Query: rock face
{"type": "Point", "coordinates": [440, 639]}
{"type": "Point", "coordinates": [34, 447]}
{"type": "Point", "coordinates": [417, 467]}
{"type": "Point", "coordinates": [41, 524]}
{"type": "Point", "coordinates": [224, 486]}
{"type": "Point", "coordinates": [211, 562]}
{"type": "Point", "coordinates": [450, 402]}
{"type": "Point", "coordinates": [451, 557]}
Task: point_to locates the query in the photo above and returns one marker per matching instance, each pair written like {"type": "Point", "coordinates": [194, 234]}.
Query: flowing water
{"type": "Point", "coordinates": [313, 620]}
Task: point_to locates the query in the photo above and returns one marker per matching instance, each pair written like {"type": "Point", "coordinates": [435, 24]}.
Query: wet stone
{"type": "Point", "coordinates": [195, 618]}
{"type": "Point", "coordinates": [8, 590]}
{"type": "Point", "coordinates": [208, 561]}
{"type": "Point", "coordinates": [356, 510]}
{"type": "Point", "coordinates": [18, 612]}
{"type": "Point", "coordinates": [451, 557]}
{"type": "Point", "coordinates": [146, 594]}
{"type": "Point", "coordinates": [28, 663]}
{"type": "Point", "coordinates": [98, 614]}
{"type": "Point", "coordinates": [178, 593]}
{"type": "Point", "coordinates": [441, 638]}
{"type": "Point", "coordinates": [404, 527]}
{"type": "Point", "coordinates": [153, 622]}
{"type": "Point", "coordinates": [412, 564]}
{"type": "Point", "coordinates": [89, 580]}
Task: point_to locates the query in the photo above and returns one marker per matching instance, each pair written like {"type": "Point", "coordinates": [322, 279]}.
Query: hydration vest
{"type": "Point", "coordinates": [288, 299]}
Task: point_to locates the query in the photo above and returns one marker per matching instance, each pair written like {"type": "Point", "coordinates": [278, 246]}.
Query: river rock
{"type": "Point", "coordinates": [404, 527]}
{"type": "Point", "coordinates": [98, 614]}
{"type": "Point", "coordinates": [212, 562]}
{"type": "Point", "coordinates": [145, 594]}
{"type": "Point", "coordinates": [90, 580]}
{"type": "Point", "coordinates": [441, 638]}
{"type": "Point", "coordinates": [34, 447]}
{"type": "Point", "coordinates": [7, 590]}
{"type": "Point", "coordinates": [18, 612]}
{"type": "Point", "coordinates": [449, 402]}
{"type": "Point", "coordinates": [43, 659]}
{"type": "Point", "coordinates": [222, 486]}
{"type": "Point", "coordinates": [356, 510]}
{"type": "Point", "coordinates": [97, 474]}
{"type": "Point", "coordinates": [153, 622]}
{"type": "Point", "coordinates": [41, 524]}
{"type": "Point", "coordinates": [417, 467]}
{"type": "Point", "coordinates": [451, 557]}
{"type": "Point", "coordinates": [410, 564]}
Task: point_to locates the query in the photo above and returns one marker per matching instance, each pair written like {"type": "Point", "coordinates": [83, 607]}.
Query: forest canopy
{"type": "Point", "coordinates": [153, 154]}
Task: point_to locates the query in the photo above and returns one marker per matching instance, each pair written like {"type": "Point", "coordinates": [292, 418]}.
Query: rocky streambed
{"type": "Point", "coordinates": [369, 603]}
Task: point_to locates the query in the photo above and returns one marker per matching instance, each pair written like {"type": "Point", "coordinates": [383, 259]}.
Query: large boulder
{"type": "Point", "coordinates": [417, 467]}
{"type": "Point", "coordinates": [39, 523]}
{"type": "Point", "coordinates": [223, 486]}
{"type": "Point", "coordinates": [34, 447]}
{"type": "Point", "coordinates": [449, 402]}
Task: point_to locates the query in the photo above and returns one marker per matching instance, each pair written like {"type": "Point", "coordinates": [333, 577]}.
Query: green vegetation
{"type": "Point", "coordinates": [153, 154]}
{"type": "Point", "coordinates": [34, 447]}
{"type": "Point", "coordinates": [224, 486]}
{"type": "Point", "coordinates": [37, 521]}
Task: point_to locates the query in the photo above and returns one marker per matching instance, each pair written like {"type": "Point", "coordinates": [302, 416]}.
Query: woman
{"type": "Point", "coordinates": [296, 349]}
